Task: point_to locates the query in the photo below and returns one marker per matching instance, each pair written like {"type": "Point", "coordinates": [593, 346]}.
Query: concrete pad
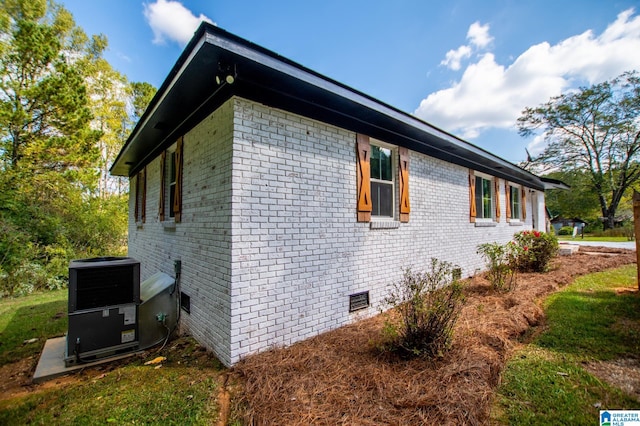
{"type": "Point", "coordinates": [568, 249]}
{"type": "Point", "coordinates": [51, 363]}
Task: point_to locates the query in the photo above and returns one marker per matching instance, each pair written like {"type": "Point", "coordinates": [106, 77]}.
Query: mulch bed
{"type": "Point", "coordinates": [340, 377]}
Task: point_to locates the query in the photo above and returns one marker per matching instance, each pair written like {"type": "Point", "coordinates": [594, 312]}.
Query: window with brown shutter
{"type": "Point", "coordinates": [516, 203]}
{"type": "Point", "coordinates": [177, 187]}
{"type": "Point", "coordinates": [496, 191]}
{"type": "Point", "coordinates": [403, 175]}
{"type": "Point", "coordinates": [472, 196]}
{"type": "Point", "coordinates": [161, 203]}
{"type": "Point", "coordinates": [141, 196]}
{"type": "Point", "coordinates": [507, 194]}
{"type": "Point", "coordinates": [482, 197]}
{"type": "Point", "coordinates": [363, 176]}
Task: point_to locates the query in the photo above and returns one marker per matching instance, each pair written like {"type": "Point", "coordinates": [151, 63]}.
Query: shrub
{"type": "Point", "coordinates": [537, 250]}
{"type": "Point", "coordinates": [427, 305]}
{"type": "Point", "coordinates": [565, 230]}
{"type": "Point", "coordinates": [502, 264]}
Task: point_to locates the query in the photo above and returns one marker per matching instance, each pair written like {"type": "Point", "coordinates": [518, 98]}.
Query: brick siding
{"type": "Point", "coordinates": [269, 242]}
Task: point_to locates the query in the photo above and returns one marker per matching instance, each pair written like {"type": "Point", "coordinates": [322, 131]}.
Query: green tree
{"type": "Point", "coordinates": [580, 201]}
{"type": "Point", "coordinates": [44, 111]}
{"type": "Point", "coordinates": [63, 116]}
{"type": "Point", "coordinates": [142, 93]}
{"type": "Point", "coordinates": [108, 97]}
{"type": "Point", "coordinates": [594, 130]}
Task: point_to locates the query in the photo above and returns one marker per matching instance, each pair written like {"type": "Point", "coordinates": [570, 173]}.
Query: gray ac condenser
{"type": "Point", "coordinates": [104, 296]}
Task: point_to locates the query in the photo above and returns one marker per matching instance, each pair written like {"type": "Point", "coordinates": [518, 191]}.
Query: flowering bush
{"type": "Point", "coordinates": [538, 248]}
{"type": "Point", "coordinates": [502, 262]}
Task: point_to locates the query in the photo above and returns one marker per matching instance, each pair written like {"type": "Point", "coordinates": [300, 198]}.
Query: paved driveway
{"type": "Point", "coordinates": [624, 245]}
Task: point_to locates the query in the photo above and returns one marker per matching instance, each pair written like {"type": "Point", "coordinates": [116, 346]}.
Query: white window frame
{"type": "Point", "coordinates": [514, 217]}
{"type": "Point", "coordinates": [393, 182]}
{"type": "Point", "coordinates": [480, 208]}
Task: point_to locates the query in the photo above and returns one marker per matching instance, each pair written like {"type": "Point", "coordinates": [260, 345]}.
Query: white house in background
{"type": "Point", "coordinates": [293, 201]}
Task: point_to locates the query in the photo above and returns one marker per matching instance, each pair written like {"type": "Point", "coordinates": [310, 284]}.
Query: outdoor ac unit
{"type": "Point", "coordinates": [104, 294]}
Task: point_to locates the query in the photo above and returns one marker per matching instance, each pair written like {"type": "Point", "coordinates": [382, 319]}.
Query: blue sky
{"type": "Point", "coordinates": [468, 67]}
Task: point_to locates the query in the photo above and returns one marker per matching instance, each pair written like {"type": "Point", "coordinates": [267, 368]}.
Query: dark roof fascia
{"type": "Point", "coordinates": [467, 151]}
{"type": "Point", "coordinates": [356, 111]}
{"type": "Point", "coordinates": [189, 51]}
{"type": "Point", "coordinates": [554, 184]}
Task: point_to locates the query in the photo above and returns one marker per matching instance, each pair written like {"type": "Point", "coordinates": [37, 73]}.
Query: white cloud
{"type": "Point", "coordinates": [537, 145]}
{"type": "Point", "coordinates": [170, 20]}
{"type": "Point", "coordinates": [454, 57]}
{"type": "Point", "coordinates": [491, 95]}
{"type": "Point", "coordinates": [479, 35]}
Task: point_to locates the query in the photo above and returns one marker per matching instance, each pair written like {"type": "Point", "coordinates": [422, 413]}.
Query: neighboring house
{"type": "Point", "coordinates": [560, 222]}
{"type": "Point", "coordinates": [293, 201]}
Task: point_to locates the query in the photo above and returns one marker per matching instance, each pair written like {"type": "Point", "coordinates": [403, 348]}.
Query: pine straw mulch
{"type": "Point", "coordinates": [339, 377]}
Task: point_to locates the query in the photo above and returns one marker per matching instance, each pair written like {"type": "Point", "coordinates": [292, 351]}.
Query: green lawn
{"type": "Point", "coordinates": [545, 382]}
{"type": "Point", "coordinates": [182, 391]}
{"type": "Point", "coordinates": [39, 316]}
{"type": "Point", "coordinates": [590, 238]}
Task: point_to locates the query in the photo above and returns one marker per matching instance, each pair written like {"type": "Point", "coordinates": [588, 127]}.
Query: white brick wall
{"type": "Point", "coordinates": [202, 241]}
{"type": "Point", "coordinates": [281, 268]}
{"type": "Point", "coordinates": [298, 252]}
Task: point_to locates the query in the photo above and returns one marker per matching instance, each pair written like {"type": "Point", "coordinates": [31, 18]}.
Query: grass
{"type": "Point", "coordinates": [182, 391]}
{"type": "Point", "coordinates": [590, 238]}
{"type": "Point", "coordinates": [39, 316]}
{"type": "Point", "coordinates": [545, 382]}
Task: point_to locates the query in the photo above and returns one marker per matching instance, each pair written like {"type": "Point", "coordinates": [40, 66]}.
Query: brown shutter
{"type": "Point", "coordinates": [523, 201]}
{"type": "Point", "coordinates": [496, 185]}
{"type": "Point", "coordinates": [507, 195]}
{"type": "Point", "coordinates": [472, 196]}
{"type": "Point", "coordinates": [141, 196]}
{"type": "Point", "coordinates": [405, 207]}
{"type": "Point", "coordinates": [136, 208]}
{"type": "Point", "coordinates": [177, 203]}
{"type": "Point", "coordinates": [163, 160]}
{"type": "Point", "coordinates": [363, 176]}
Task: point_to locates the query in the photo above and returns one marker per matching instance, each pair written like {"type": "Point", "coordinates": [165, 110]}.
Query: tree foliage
{"type": "Point", "coordinates": [64, 114]}
{"type": "Point", "coordinates": [596, 131]}
{"type": "Point", "coordinates": [44, 111]}
{"type": "Point", "coordinates": [579, 202]}
{"type": "Point", "coordinates": [142, 93]}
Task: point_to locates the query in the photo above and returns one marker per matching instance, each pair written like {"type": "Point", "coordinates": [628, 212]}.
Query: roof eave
{"type": "Point", "coordinates": [269, 78]}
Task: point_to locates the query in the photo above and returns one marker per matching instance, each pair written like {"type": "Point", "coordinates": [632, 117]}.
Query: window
{"type": "Point", "coordinates": [171, 175]}
{"type": "Point", "coordinates": [171, 183]}
{"type": "Point", "coordinates": [514, 202]}
{"type": "Point", "coordinates": [382, 181]}
{"type": "Point", "coordinates": [484, 197]}
{"type": "Point", "coordinates": [376, 166]}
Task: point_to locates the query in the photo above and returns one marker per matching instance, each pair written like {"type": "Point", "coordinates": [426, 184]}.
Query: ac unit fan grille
{"type": "Point", "coordinates": [97, 287]}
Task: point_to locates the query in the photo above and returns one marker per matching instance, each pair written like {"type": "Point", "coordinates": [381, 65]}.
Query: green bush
{"type": "Point", "coordinates": [42, 229]}
{"type": "Point", "coordinates": [537, 250]}
{"type": "Point", "coordinates": [427, 305]}
{"type": "Point", "coordinates": [566, 230]}
{"type": "Point", "coordinates": [502, 264]}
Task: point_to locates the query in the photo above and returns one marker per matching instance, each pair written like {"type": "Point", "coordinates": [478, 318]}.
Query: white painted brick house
{"type": "Point", "coordinates": [293, 201]}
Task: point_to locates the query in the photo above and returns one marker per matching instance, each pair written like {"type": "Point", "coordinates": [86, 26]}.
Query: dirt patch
{"type": "Point", "coordinates": [341, 378]}
{"type": "Point", "coordinates": [621, 373]}
{"type": "Point", "coordinates": [16, 379]}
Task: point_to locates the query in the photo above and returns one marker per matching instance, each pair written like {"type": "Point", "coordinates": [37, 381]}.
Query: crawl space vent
{"type": "Point", "coordinates": [358, 301]}
{"type": "Point", "coordinates": [185, 302]}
